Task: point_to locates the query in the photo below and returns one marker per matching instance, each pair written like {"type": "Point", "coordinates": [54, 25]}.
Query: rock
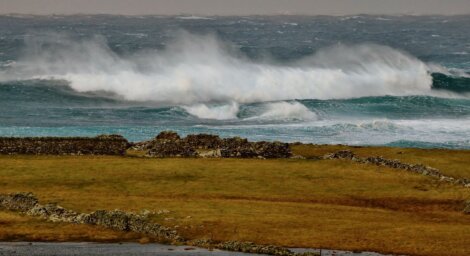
{"type": "Point", "coordinates": [171, 149]}
{"type": "Point", "coordinates": [164, 211]}
{"type": "Point", "coordinates": [168, 136]}
{"type": "Point", "coordinates": [56, 213]}
{"type": "Point", "coordinates": [466, 210]}
{"type": "Point", "coordinates": [237, 147]}
{"type": "Point", "coordinates": [249, 247]}
{"type": "Point", "coordinates": [342, 154]}
{"type": "Point", "coordinates": [146, 212]}
{"type": "Point", "coordinates": [272, 149]}
{"type": "Point", "coordinates": [117, 220]}
{"type": "Point", "coordinates": [22, 202]}
{"type": "Point", "coordinates": [204, 243]}
{"type": "Point", "coordinates": [139, 146]}
{"type": "Point", "coordinates": [215, 153]}
{"type": "Point", "coordinates": [203, 141]}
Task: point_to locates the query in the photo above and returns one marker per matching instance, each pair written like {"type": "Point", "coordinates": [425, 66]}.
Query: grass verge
{"type": "Point", "coordinates": [296, 203]}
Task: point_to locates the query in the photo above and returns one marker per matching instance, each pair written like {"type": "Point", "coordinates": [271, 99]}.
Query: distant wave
{"type": "Point", "coordinates": [194, 18]}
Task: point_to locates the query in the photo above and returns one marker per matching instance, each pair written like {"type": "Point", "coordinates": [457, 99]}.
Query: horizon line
{"type": "Point", "coordinates": [236, 15]}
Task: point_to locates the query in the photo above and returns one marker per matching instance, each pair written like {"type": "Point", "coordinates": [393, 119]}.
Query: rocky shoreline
{"type": "Point", "coordinates": [27, 203]}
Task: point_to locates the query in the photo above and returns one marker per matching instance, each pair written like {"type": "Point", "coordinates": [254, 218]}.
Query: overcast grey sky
{"type": "Point", "coordinates": [236, 7]}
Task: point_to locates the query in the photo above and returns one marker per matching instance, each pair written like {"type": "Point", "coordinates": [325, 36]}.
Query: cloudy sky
{"type": "Point", "coordinates": [236, 7]}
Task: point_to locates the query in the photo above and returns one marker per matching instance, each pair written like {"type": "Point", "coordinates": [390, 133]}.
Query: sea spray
{"type": "Point", "coordinates": [201, 69]}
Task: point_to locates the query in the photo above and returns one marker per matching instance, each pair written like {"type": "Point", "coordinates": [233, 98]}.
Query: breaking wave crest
{"type": "Point", "coordinates": [272, 111]}
{"type": "Point", "coordinates": [218, 112]}
{"type": "Point", "coordinates": [285, 111]}
{"type": "Point", "coordinates": [196, 69]}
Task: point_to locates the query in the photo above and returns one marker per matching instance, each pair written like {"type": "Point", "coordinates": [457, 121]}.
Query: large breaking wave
{"type": "Point", "coordinates": [198, 71]}
{"type": "Point", "coordinates": [195, 69]}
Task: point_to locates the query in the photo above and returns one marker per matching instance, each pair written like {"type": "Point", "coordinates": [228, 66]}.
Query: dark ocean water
{"type": "Point", "coordinates": [361, 80]}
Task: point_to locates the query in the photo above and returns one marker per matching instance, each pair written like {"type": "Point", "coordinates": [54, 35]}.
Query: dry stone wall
{"type": "Point", "coordinates": [117, 220]}
{"type": "Point", "coordinates": [396, 164]}
{"type": "Point", "coordinates": [170, 144]}
{"type": "Point", "coordinates": [28, 204]}
{"type": "Point", "coordinates": [100, 145]}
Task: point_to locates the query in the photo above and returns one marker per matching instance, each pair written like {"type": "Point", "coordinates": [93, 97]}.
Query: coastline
{"type": "Point", "coordinates": [313, 186]}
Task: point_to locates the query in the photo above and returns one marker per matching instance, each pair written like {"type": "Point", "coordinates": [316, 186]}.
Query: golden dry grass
{"type": "Point", "coordinates": [299, 203]}
{"type": "Point", "coordinates": [15, 227]}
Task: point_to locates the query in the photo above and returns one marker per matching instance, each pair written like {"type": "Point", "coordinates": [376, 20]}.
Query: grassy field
{"type": "Point", "coordinates": [297, 203]}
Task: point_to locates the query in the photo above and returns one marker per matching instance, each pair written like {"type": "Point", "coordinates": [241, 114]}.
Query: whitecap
{"type": "Point", "coordinates": [216, 112]}
{"type": "Point", "coordinates": [197, 69]}
{"type": "Point", "coordinates": [285, 111]}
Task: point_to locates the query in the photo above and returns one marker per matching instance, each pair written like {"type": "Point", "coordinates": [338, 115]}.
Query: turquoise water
{"type": "Point", "coordinates": [360, 80]}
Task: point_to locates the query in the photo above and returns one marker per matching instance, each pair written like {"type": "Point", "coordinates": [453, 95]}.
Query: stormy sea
{"type": "Point", "coordinates": [357, 80]}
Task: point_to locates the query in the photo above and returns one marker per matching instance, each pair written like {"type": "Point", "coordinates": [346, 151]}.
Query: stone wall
{"type": "Point", "coordinates": [396, 164]}
{"type": "Point", "coordinates": [117, 220]}
{"type": "Point", "coordinates": [28, 204]}
{"type": "Point", "coordinates": [170, 144]}
{"type": "Point", "coordinates": [100, 145]}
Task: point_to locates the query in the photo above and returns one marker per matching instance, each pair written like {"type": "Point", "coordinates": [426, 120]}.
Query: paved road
{"type": "Point", "coordinates": [100, 249]}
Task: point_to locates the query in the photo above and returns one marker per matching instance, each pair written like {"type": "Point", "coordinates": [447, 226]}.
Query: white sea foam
{"type": "Point", "coordinates": [285, 111]}
{"type": "Point", "coordinates": [218, 112]}
{"type": "Point", "coordinates": [194, 18]}
{"type": "Point", "coordinates": [200, 69]}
